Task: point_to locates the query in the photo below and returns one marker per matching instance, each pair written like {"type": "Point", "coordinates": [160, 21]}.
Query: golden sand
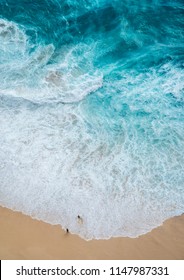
{"type": "Point", "coordinates": [22, 237]}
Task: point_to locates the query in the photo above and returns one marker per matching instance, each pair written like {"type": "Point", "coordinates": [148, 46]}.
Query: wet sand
{"type": "Point", "coordinates": [22, 237]}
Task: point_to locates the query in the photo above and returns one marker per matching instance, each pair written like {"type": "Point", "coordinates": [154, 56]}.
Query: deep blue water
{"type": "Point", "coordinates": [92, 113]}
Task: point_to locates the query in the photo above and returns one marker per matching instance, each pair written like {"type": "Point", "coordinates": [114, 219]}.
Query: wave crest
{"type": "Point", "coordinates": [33, 75]}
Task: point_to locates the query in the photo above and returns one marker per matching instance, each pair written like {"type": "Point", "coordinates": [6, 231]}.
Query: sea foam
{"type": "Point", "coordinates": [91, 114]}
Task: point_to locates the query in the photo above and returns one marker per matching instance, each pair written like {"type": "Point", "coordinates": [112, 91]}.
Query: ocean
{"type": "Point", "coordinates": [92, 113]}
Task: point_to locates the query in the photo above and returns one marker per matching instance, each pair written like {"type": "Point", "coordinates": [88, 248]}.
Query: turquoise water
{"type": "Point", "coordinates": [92, 113]}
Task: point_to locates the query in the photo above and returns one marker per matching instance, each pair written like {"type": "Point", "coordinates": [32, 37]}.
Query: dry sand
{"type": "Point", "coordinates": [21, 237]}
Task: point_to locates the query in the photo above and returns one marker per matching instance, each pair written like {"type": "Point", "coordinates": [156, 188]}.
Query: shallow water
{"type": "Point", "coordinates": [92, 113]}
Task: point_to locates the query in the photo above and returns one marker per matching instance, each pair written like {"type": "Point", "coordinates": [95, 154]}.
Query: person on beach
{"type": "Point", "coordinates": [80, 220]}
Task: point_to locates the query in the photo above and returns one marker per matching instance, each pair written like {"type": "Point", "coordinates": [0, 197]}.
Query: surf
{"type": "Point", "coordinates": [91, 114]}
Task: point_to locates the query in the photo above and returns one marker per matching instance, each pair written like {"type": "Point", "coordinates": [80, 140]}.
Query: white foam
{"type": "Point", "coordinates": [54, 168]}
{"type": "Point", "coordinates": [29, 75]}
{"type": "Point", "coordinates": [59, 88]}
{"type": "Point", "coordinates": [12, 38]}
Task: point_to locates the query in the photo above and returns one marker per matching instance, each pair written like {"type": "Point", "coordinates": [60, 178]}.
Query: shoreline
{"type": "Point", "coordinates": [22, 237]}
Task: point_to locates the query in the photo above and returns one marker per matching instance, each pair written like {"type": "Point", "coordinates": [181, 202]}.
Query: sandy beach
{"type": "Point", "coordinates": [22, 237]}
